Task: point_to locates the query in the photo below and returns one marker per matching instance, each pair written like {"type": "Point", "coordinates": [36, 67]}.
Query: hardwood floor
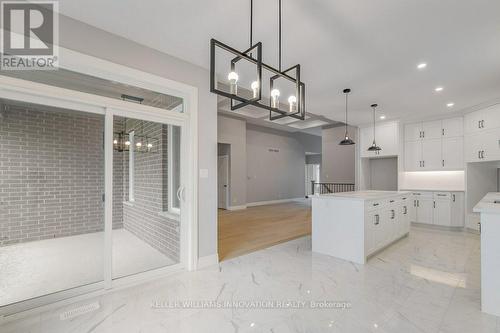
{"type": "Point", "coordinates": [255, 228]}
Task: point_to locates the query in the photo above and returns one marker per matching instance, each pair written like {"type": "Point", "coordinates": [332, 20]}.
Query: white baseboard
{"type": "Point", "coordinates": [207, 261]}
{"type": "Point", "coordinates": [273, 202]}
{"type": "Point", "coordinates": [237, 207]}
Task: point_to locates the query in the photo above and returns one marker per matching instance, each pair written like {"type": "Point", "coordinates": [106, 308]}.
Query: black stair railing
{"type": "Point", "coordinates": [326, 188]}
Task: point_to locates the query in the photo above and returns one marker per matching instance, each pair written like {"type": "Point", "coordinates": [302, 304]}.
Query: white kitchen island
{"type": "Point", "coordinates": [489, 208]}
{"type": "Point", "coordinates": [354, 225]}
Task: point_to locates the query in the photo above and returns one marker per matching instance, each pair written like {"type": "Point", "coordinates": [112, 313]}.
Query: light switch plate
{"type": "Point", "coordinates": [203, 173]}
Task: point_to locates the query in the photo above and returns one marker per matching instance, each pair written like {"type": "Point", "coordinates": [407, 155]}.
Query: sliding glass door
{"type": "Point", "coordinates": [51, 200]}
{"type": "Point", "coordinates": [91, 190]}
{"type": "Point", "coordinates": [146, 195]}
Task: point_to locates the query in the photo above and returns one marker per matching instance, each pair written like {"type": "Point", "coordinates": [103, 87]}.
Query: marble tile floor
{"type": "Point", "coordinates": [427, 282]}
{"type": "Point", "coordinates": [42, 267]}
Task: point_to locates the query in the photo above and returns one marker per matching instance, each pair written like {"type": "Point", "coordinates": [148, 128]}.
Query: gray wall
{"type": "Point", "coordinates": [384, 174]}
{"type": "Point", "coordinates": [265, 164]}
{"type": "Point", "coordinates": [275, 165]}
{"type": "Point", "coordinates": [52, 175]}
{"type": "Point", "coordinates": [233, 132]}
{"type": "Point", "coordinates": [96, 42]}
{"type": "Point", "coordinates": [338, 162]}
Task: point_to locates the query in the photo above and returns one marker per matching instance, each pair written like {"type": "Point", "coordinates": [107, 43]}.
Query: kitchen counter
{"type": "Point", "coordinates": [354, 225]}
{"type": "Point", "coordinates": [488, 205]}
{"type": "Point", "coordinates": [363, 195]}
{"type": "Point", "coordinates": [490, 253]}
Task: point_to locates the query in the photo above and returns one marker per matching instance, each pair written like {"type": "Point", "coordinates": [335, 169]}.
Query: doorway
{"type": "Point", "coordinates": [223, 181]}
{"type": "Point", "coordinates": [111, 185]}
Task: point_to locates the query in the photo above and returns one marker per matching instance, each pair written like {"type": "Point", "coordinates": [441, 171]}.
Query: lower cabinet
{"type": "Point", "coordinates": [438, 208]}
{"type": "Point", "coordinates": [385, 222]}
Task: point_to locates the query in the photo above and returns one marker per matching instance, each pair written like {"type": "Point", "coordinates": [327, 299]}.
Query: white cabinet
{"type": "Point", "coordinates": [483, 146]}
{"type": "Point", "coordinates": [413, 156]}
{"type": "Point", "coordinates": [442, 209]}
{"type": "Point", "coordinates": [452, 153]}
{"type": "Point", "coordinates": [432, 130]}
{"type": "Point", "coordinates": [483, 120]}
{"type": "Point", "coordinates": [438, 208]}
{"type": "Point", "coordinates": [413, 132]}
{"type": "Point", "coordinates": [434, 145]}
{"type": "Point", "coordinates": [431, 154]}
{"type": "Point", "coordinates": [453, 127]}
{"type": "Point", "coordinates": [387, 137]}
{"type": "Point", "coordinates": [457, 209]}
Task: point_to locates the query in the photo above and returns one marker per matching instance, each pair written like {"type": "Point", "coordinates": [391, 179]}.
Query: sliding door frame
{"type": "Point", "coordinates": [42, 94]}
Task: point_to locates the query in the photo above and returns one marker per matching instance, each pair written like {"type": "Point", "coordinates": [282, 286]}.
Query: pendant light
{"type": "Point", "coordinates": [374, 146]}
{"type": "Point", "coordinates": [347, 141]}
{"type": "Point", "coordinates": [240, 98]}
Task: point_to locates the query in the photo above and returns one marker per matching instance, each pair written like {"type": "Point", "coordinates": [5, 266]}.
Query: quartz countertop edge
{"type": "Point", "coordinates": [430, 190]}
{"type": "Point", "coordinates": [487, 205]}
{"type": "Point", "coordinates": [361, 195]}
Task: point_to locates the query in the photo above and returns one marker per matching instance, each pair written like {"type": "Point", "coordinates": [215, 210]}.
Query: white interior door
{"type": "Point", "coordinates": [223, 181]}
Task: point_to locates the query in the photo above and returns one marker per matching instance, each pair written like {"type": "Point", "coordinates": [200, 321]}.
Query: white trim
{"type": "Point", "coordinates": [170, 215]}
{"type": "Point", "coordinates": [237, 207]}
{"type": "Point", "coordinates": [208, 261]}
{"type": "Point", "coordinates": [131, 167]}
{"type": "Point", "coordinates": [31, 92]}
{"type": "Point", "coordinates": [273, 202]}
{"type": "Point", "coordinates": [108, 200]}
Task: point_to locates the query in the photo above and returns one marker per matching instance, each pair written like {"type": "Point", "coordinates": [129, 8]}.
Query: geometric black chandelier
{"type": "Point", "coordinates": [277, 80]}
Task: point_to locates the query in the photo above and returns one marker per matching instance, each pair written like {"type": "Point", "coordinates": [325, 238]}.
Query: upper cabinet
{"type": "Point", "coordinates": [387, 137]}
{"type": "Point", "coordinates": [483, 120]}
{"type": "Point", "coordinates": [482, 135]}
{"type": "Point", "coordinates": [434, 145]}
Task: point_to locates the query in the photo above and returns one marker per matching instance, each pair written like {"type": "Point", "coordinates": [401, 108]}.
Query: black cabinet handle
{"type": "Point", "coordinates": [377, 219]}
{"type": "Point", "coordinates": [453, 195]}
{"type": "Point", "coordinates": [434, 204]}
{"type": "Point", "coordinates": [405, 210]}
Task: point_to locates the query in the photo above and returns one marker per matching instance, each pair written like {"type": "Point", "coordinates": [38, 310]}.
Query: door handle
{"type": "Point", "coordinates": [405, 210]}
{"type": "Point", "coordinates": [482, 154]}
{"type": "Point", "coordinates": [377, 219]}
{"type": "Point", "coordinates": [434, 204]}
{"type": "Point", "coordinates": [479, 154]}
{"type": "Point", "coordinates": [393, 214]}
{"type": "Point", "coordinates": [482, 123]}
{"type": "Point", "coordinates": [418, 203]}
{"type": "Point", "coordinates": [453, 197]}
{"type": "Point", "coordinates": [178, 194]}
{"type": "Point", "coordinates": [443, 163]}
{"type": "Point", "coordinates": [479, 124]}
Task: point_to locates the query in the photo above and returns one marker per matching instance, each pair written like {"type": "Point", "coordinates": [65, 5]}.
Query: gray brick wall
{"type": "Point", "coordinates": [142, 216]}
{"type": "Point", "coordinates": [52, 179]}
{"type": "Point", "coordinates": [51, 174]}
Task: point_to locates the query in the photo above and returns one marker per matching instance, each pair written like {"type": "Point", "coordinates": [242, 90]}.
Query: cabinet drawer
{"type": "Point", "coordinates": [442, 196]}
{"type": "Point", "coordinates": [421, 194]}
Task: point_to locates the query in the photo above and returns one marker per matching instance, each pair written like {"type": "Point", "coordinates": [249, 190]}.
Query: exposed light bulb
{"type": "Point", "coordinates": [127, 143]}
{"type": "Point", "coordinates": [275, 98]}
{"type": "Point", "coordinates": [422, 65]}
{"type": "Point", "coordinates": [292, 101]}
{"type": "Point", "coordinates": [233, 77]}
{"type": "Point", "coordinates": [255, 88]}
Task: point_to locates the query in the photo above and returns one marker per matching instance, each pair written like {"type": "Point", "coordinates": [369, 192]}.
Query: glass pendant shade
{"type": "Point", "coordinates": [347, 140]}
{"type": "Point", "coordinates": [374, 146]}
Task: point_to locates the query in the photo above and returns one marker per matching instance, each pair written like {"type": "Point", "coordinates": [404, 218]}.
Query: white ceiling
{"type": "Point", "coordinates": [370, 46]}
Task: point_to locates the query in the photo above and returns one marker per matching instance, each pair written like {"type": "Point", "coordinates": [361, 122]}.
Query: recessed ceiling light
{"type": "Point", "coordinates": [422, 65]}
{"type": "Point", "coordinates": [382, 117]}
{"type": "Point", "coordinates": [438, 89]}
{"type": "Point", "coordinates": [450, 105]}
